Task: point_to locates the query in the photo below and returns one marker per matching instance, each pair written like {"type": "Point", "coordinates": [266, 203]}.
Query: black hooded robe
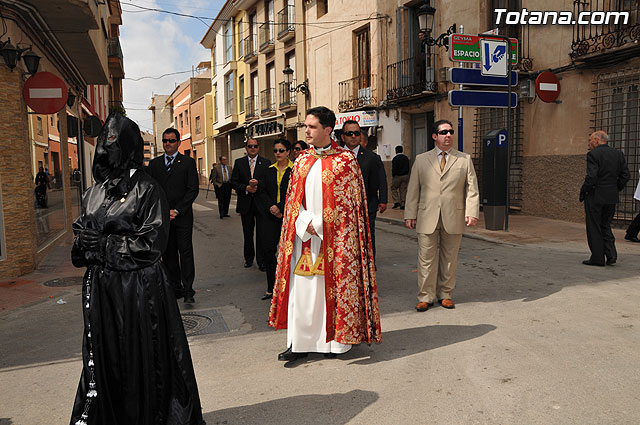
{"type": "Point", "coordinates": [137, 367]}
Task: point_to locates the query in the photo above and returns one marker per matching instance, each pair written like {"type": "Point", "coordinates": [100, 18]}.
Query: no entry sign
{"type": "Point", "coordinates": [45, 93]}
{"type": "Point", "coordinates": [547, 86]}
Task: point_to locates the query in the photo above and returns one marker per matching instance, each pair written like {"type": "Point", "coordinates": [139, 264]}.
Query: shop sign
{"type": "Point", "coordinates": [364, 118]}
{"type": "Point", "coordinates": [266, 128]}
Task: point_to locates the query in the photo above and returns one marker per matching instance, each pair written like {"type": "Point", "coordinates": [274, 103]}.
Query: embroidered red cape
{"type": "Point", "coordinates": [351, 292]}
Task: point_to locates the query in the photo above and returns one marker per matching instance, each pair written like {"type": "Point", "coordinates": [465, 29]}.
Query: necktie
{"type": "Point", "coordinates": [443, 161]}
{"type": "Point", "coordinates": [224, 173]}
{"type": "Point", "coordinates": [252, 165]}
{"type": "Point", "coordinates": [169, 161]}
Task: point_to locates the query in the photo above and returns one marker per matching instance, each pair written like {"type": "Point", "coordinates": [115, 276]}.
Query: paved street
{"type": "Point", "coordinates": [535, 338]}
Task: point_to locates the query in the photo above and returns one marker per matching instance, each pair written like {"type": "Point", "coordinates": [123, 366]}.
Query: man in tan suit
{"type": "Point", "coordinates": [441, 198]}
{"type": "Point", "coordinates": [221, 180]}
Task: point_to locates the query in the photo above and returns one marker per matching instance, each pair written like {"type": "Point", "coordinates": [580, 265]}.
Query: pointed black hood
{"type": "Point", "coordinates": [120, 148]}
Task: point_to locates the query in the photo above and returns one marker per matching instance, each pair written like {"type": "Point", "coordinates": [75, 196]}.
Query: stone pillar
{"type": "Point", "coordinates": [16, 178]}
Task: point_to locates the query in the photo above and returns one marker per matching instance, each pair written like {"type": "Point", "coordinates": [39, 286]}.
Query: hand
{"type": "Point", "coordinates": [311, 230]}
{"type": "Point", "coordinates": [382, 208]}
{"type": "Point", "coordinates": [410, 224]}
{"type": "Point", "coordinates": [274, 210]}
{"type": "Point", "coordinates": [173, 214]}
{"type": "Point", "coordinates": [279, 215]}
{"type": "Point", "coordinates": [471, 221]}
{"type": "Point", "coordinates": [92, 240]}
{"type": "Point", "coordinates": [252, 187]}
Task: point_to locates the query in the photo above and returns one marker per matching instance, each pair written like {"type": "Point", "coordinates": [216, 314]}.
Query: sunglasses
{"type": "Point", "coordinates": [297, 149]}
{"type": "Point", "coordinates": [169, 140]}
{"type": "Point", "coordinates": [351, 133]}
{"type": "Point", "coordinates": [444, 132]}
{"type": "Point", "coordinates": [252, 146]}
{"type": "Point", "coordinates": [280, 150]}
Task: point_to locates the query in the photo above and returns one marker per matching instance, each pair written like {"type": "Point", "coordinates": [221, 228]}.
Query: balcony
{"type": "Point", "coordinates": [116, 59]}
{"type": "Point", "coordinates": [288, 99]}
{"type": "Point", "coordinates": [357, 92]}
{"type": "Point", "coordinates": [410, 77]}
{"type": "Point", "coordinates": [286, 19]}
{"type": "Point", "coordinates": [267, 101]}
{"type": "Point", "coordinates": [591, 41]}
{"type": "Point", "coordinates": [251, 107]}
{"type": "Point", "coordinates": [265, 32]}
{"type": "Point", "coordinates": [250, 49]}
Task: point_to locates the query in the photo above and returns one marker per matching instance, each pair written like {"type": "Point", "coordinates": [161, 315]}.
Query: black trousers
{"type": "Point", "coordinates": [599, 235]}
{"type": "Point", "coordinates": [271, 228]}
{"type": "Point", "coordinates": [249, 223]}
{"type": "Point", "coordinates": [224, 198]}
{"type": "Point", "coordinates": [178, 257]}
{"type": "Point", "coordinates": [372, 230]}
{"type": "Point", "coordinates": [634, 227]}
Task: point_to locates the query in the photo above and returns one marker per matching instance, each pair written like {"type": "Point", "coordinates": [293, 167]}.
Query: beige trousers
{"type": "Point", "coordinates": [437, 264]}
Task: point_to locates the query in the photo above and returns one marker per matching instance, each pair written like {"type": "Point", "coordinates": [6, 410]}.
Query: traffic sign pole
{"type": "Point", "coordinates": [509, 133]}
{"type": "Point", "coordinates": [460, 109]}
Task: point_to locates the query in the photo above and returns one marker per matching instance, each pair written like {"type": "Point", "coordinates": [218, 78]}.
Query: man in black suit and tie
{"type": "Point", "coordinates": [221, 180]}
{"type": "Point", "coordinates": [607, 174]}
{"type": "Point", "coordinates": [248, 173]}
{"type": "Point", "coordinates": [178, 177]}
{"type": "Point", "coordinates": [375, 178]}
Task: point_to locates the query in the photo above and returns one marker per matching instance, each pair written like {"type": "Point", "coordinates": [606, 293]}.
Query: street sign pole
{"type": "Point", "coordinates": [509, 133]}
{"type": "Point", "coordinates": [460, 109]}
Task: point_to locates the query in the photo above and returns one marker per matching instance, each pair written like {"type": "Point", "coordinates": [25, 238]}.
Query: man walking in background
{"type": "Point", "coordinates": [607, 174]}
{"type": "Point", "coordinates": [221, 180]}
{"type": "Point", "coordinates": [400, 168]}
{"type": "Point", "coordinates": [178, 176]}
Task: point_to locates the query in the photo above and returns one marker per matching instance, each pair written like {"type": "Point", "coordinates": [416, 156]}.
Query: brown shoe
{"type": "Point", "coordinates": [447, 303]}
{"type": "Point", "coordinates": [422, 306]}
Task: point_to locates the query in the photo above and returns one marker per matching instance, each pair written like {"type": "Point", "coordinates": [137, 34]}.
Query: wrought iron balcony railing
{"type": "Point", "coordinates": [613, 32]}
{"type": "Point", "coordinates": [286, 19]}
{"type": "Point", "coordinates": [410, 77]}
{"type": "Point", "coordinates": [357, 92]}
{"type": "Point", "coordinates": [267, 101]}
{"type": "Point", "coordinates": [287, 98]}
{"type": "Point", "coordinates": [266, 36]}
{"type": "Point", "coordinates": [114, 49]}
{"type": "Point", "coordinates": [251, 107]}
{"type": "Point", "coordinates": [250, 48]}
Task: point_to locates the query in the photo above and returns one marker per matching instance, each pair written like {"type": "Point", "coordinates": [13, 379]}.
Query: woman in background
{"type": "Point", "coordinates": [298, 147]}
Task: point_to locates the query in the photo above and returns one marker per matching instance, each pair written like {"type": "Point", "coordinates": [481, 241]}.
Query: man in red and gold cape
{"type": "Point", "coordinates": [325, 293]}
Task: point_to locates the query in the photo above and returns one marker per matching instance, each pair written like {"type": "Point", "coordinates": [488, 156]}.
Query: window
{"type": "Point", "coordinates": [52, 120]}
{"type": "Point", "coordinates": [363, 55]}
{"type": "Point", "coordinates": [39, 124]}
{"type": "Point", "coordinates": [186, 118]}
{"type": "Point", "coordinates": [229, 94]}
{"type": "Point", "coordinates": [175, 120]}
{"type": "Point", "coordinates": [323, 7]}
{"type": "Point", "coordinates": [198, 125]}
{"type": "Point", "coordinates": [181, 122]}
{"type": "Point", "coordinates": [503, 28]}
{"type": "Point", "coordinates": [215, 103]}
{"type": "Point", "coordinates": [228, 41]}
{"type": "Point", "coordinates": [240, 33]}
{"type": "Point", "coordinates": [213, 59]}
{"type": "Point", "coordinates": [241, 93]}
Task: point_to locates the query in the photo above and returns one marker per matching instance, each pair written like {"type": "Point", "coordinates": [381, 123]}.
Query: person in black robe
{"type": "Point", "coordinates": [137, 367]}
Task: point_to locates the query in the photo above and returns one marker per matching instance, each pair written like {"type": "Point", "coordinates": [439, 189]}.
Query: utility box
{"type": "Point", "coordinates": [494, 178]}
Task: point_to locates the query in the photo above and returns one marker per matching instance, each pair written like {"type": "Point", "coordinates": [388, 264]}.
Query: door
{"type": "Point", "coordinates": [421, 125]}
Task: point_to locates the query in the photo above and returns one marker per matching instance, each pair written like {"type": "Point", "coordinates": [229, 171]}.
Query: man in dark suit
{"type": "Point", "coordinates": [221, 180]}
{"type": "Point", "coordinates": [607, 174]}
{"type": "Point", "coordinates": [248, 173]}
{"type": "Point", "coordinates": [178, 177]}
{"type": "Point", "coordinates": [375, 178]}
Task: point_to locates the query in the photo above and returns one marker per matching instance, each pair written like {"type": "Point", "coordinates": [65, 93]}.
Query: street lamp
{"type": "Point", "coordinates": [288, 79]}
{"type": "Point", "coordinates": [31, 61]}
{"type": "Point", "coordinates": [426, 15]}
{"type": "Point", "coordinates": [11, 55]}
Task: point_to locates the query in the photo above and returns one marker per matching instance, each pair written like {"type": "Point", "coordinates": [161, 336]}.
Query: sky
{"type": "Point", "coordinates": [155, 43]}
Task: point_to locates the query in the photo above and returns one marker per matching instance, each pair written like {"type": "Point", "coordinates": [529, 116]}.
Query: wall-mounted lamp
{"type": "Point", "coordinates": [11, 55]}
{"type": "Point", "coordinates": [288, 79]}
{"type": "Point", "coordinates": [426, 15]}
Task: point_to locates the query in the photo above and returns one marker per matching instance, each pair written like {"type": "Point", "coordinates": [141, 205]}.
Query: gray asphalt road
{"type": "Point", "coordinates": [536, 338]}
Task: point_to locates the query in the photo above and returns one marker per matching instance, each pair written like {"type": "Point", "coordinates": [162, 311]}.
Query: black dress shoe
{"type": "Point", "coordinates": [611, 261]}
{"type": "Point", "coordinates": [288, 356]}
{"type": "Point", "coordinates": [247, 264]}
{"type": "Point", "coordinates": [591, 263]}
{"type": "Point", "coordinates": [227, 215]}
{"type": "Point", "coordinates": [632, 238]}
{"type": "Point", "coordinates": [189, 300]}
{"type": "Point", "coordinates": [267, 296]}
{"type": "Point", "coordinates": [262, 267]}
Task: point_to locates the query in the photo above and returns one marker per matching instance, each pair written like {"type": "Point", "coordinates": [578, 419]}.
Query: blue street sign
{"type": "Point", "coordinates": [474, 77]}
{"type": "Point", "coordinates": [481, 99]}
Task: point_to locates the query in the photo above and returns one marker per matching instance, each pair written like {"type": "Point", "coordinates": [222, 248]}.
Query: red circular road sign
{"type": "Point", "coordinates": [547, 86]}
{"type": "Point", "coordinates": [45, 93]}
